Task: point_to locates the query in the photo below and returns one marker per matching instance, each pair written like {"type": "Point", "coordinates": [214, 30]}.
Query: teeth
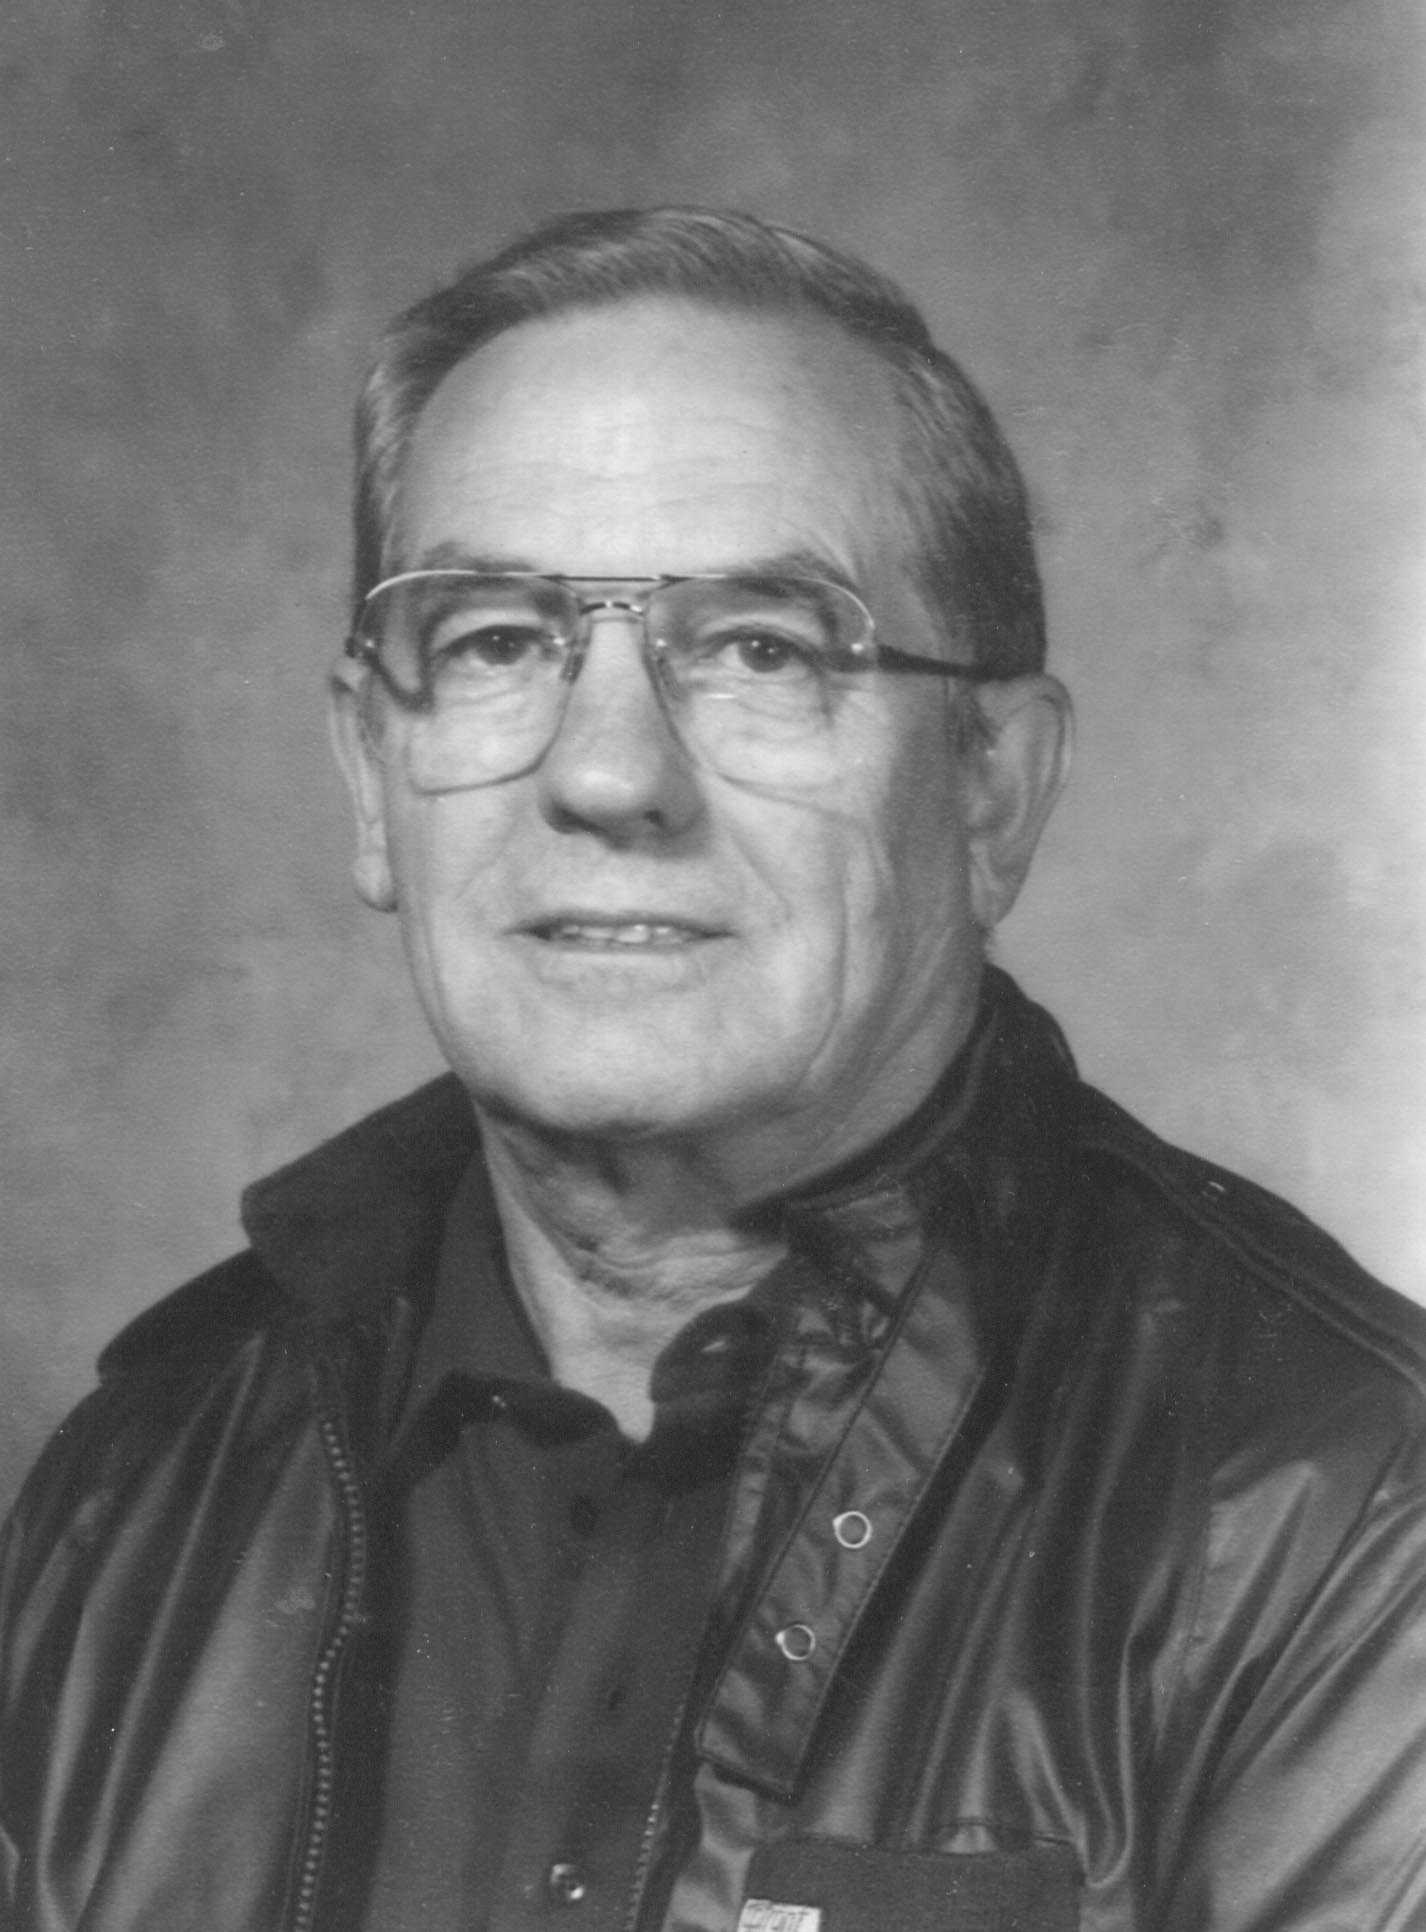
{"type": "Point", "coordinates": [641, 933]}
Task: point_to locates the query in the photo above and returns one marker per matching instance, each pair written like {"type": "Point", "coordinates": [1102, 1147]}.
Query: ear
{"type": "Point", "coordinates": [351, 742]}
{"type": "Point", "coordinates": [1013, 774]}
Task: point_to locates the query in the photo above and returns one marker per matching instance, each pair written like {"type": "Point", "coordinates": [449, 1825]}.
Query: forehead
{"type": "Point", "coordinates": [588, 441]}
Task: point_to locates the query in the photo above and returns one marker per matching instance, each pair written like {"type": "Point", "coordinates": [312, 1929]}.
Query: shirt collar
{"type": "Point", "coordinates": [478, 1335]}
{"type": "Point", "coordinates": [476, 1328]}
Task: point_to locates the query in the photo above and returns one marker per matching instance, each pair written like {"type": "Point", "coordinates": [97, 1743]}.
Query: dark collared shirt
{"type": "Point", "coordinates": [554, 1588]}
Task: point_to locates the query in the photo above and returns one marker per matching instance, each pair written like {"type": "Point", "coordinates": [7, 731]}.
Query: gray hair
{"type": "Point", "coordinates": [961, 489]}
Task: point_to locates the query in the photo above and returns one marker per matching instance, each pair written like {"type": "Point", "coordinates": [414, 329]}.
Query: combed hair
{"type": "Point", "coordinates": [961, 488]}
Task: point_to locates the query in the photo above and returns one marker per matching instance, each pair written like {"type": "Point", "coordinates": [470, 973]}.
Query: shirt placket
{"type": "Point", "coordinates": [603, 1717]}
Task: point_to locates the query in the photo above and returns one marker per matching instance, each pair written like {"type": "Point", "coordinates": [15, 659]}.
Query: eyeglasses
{"type": "Point", "coordinates": [754, 673]}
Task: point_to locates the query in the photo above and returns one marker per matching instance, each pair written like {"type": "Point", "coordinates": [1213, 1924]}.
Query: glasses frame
{"type": "Point", "coordinates": [863, 653]}
{"type": "Point", "coordinates": [868, 654]}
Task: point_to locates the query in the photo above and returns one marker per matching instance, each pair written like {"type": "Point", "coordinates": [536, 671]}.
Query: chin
{"type": "Point", "coordinates": [614, 1103]}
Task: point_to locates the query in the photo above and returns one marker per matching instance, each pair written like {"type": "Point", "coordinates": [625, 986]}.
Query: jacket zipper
{"type": "Point", "coordinates": [646, 1847]}
{"type": "Point", "coordinates": [651, 1823]}
{"type": "Point", "coordinates": [348, 1617]}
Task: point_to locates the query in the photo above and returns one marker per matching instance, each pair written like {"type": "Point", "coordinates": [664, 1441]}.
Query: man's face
{"type": "Point", "coordinates": [620, 943]}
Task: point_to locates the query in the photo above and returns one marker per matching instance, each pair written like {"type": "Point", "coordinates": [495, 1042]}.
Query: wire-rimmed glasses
{"type": "Point", "coordinates": [752, 671]}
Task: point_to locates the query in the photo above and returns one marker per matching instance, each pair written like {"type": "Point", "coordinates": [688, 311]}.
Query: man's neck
{"type": "Point", "coordinates": [610, 1260]}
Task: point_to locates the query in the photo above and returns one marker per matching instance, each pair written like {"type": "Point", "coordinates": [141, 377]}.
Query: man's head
{"type": "Point", "coordinates": [638, 932]}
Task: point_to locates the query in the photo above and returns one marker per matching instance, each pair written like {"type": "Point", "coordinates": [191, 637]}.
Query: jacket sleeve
{"type": "Point", "coordinates": [33, 1530]}
{"type": "Point", "coordinates": [167, 1586]}
{"type": "Point", "coordinates": [1307, 1810]}
{"type": "Point", "coordinates": [9, 1845]}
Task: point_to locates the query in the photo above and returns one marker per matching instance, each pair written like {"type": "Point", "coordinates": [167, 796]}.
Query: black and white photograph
{"type": "Point", "coordinates": [713, 1138]}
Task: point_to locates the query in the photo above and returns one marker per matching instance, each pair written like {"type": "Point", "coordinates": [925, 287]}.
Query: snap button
{"type": "Point", "coordinates": [565, 1882]}
{"type": "Point", "coordinates": [797, 1642]}
{"type": "Point", "coordinates": [851, 1529]}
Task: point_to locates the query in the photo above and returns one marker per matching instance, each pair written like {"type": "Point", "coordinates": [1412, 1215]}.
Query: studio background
{"type": "Point", "coordinates": [1177, 243]}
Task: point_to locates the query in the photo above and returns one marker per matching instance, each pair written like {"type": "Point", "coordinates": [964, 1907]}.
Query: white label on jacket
{"type": "Point", "coordinates": [767, 1915]}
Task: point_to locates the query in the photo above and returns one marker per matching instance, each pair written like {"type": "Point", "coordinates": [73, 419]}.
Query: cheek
{"type": "Point", "coordinates": [918, 820]}
{"type": "Point", "coordinates": [442, 855]}
{"type": "Point", "coordinates": [917, 866]}
{"type": "Point", "coordinates": [876, 879]}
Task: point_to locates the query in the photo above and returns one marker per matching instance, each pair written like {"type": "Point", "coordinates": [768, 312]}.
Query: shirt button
{"type": "Point", "coordinates": [565, 1882]}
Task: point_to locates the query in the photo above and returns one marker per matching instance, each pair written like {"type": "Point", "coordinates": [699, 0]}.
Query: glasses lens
{"type": "Point", "coordinates": [760, 667]}
{"type": "Point", "coordinates": [478, 661]}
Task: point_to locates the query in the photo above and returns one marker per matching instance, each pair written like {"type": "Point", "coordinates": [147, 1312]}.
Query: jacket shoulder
{"type": "Point", "coordinates": [330, 1234]}
{"type": "Point", "coordinates": [207, 1317]}
{"type": "Point", "coordinates": [179, 1358]}
{"type": "Point", "coordinates": [1221, 1224]}
{"type": "Point", "coordinates": [211, 1370]}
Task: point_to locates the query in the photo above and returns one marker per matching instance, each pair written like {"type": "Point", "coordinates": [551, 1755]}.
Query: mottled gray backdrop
{"type": "Point", "coordinates": [1177, 242]}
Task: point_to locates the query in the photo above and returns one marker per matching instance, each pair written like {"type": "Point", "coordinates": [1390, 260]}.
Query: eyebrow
{"type": "Point", "coordinates": [799, 562]}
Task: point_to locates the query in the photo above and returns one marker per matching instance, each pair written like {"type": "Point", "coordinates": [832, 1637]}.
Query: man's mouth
{"type": "Point", "coordinates": [620, 935]}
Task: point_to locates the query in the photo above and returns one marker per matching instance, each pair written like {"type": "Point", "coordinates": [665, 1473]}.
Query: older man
{"type": "Point", "coordinates": [763, 1445]}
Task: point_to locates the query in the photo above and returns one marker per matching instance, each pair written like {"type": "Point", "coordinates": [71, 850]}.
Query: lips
{"type": "Point", "coordinates": [626, 933]}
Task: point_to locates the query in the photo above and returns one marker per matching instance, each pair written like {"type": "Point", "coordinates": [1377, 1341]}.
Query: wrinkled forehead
{"type": "Point", "coordinates": [604, 430]}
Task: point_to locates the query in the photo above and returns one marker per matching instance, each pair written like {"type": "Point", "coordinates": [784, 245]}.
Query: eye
{"type": "Point", "coordinates": [764, 653]}
{"type": "Point", "coordinates": [740, 632]}
{"type": "Point", "coordinates": [487, 635]}
{"type": "Point", "coordinates": [778, 647]}
{"type": "Point", "coordinates": [486, 646]}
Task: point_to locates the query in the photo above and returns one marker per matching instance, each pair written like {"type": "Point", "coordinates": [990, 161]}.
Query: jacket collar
{"type": "Point", "coordinates": [362, 1216]}
{"type": "Point", "coordinates": [979, 1163]}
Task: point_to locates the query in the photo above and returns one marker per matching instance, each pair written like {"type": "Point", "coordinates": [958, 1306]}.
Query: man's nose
{"type": "Point", "coordinates": [616, 764]}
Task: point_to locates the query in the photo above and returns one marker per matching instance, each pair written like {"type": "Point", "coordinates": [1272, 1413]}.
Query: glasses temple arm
{"type": "Point", "coordinates": [889, 658]}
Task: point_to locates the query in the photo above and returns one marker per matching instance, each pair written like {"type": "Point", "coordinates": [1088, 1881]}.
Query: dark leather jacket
{"type": "Point", "coordinates": [1137, 1640]}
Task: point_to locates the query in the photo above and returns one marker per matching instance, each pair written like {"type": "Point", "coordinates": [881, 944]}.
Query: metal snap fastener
{"type": "Point", "coordinates": [851, 1529]}
{"type": "Point", "coordinates": [565, 1882]}
{"type": "Point", "coordinates": [797, 1642]}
